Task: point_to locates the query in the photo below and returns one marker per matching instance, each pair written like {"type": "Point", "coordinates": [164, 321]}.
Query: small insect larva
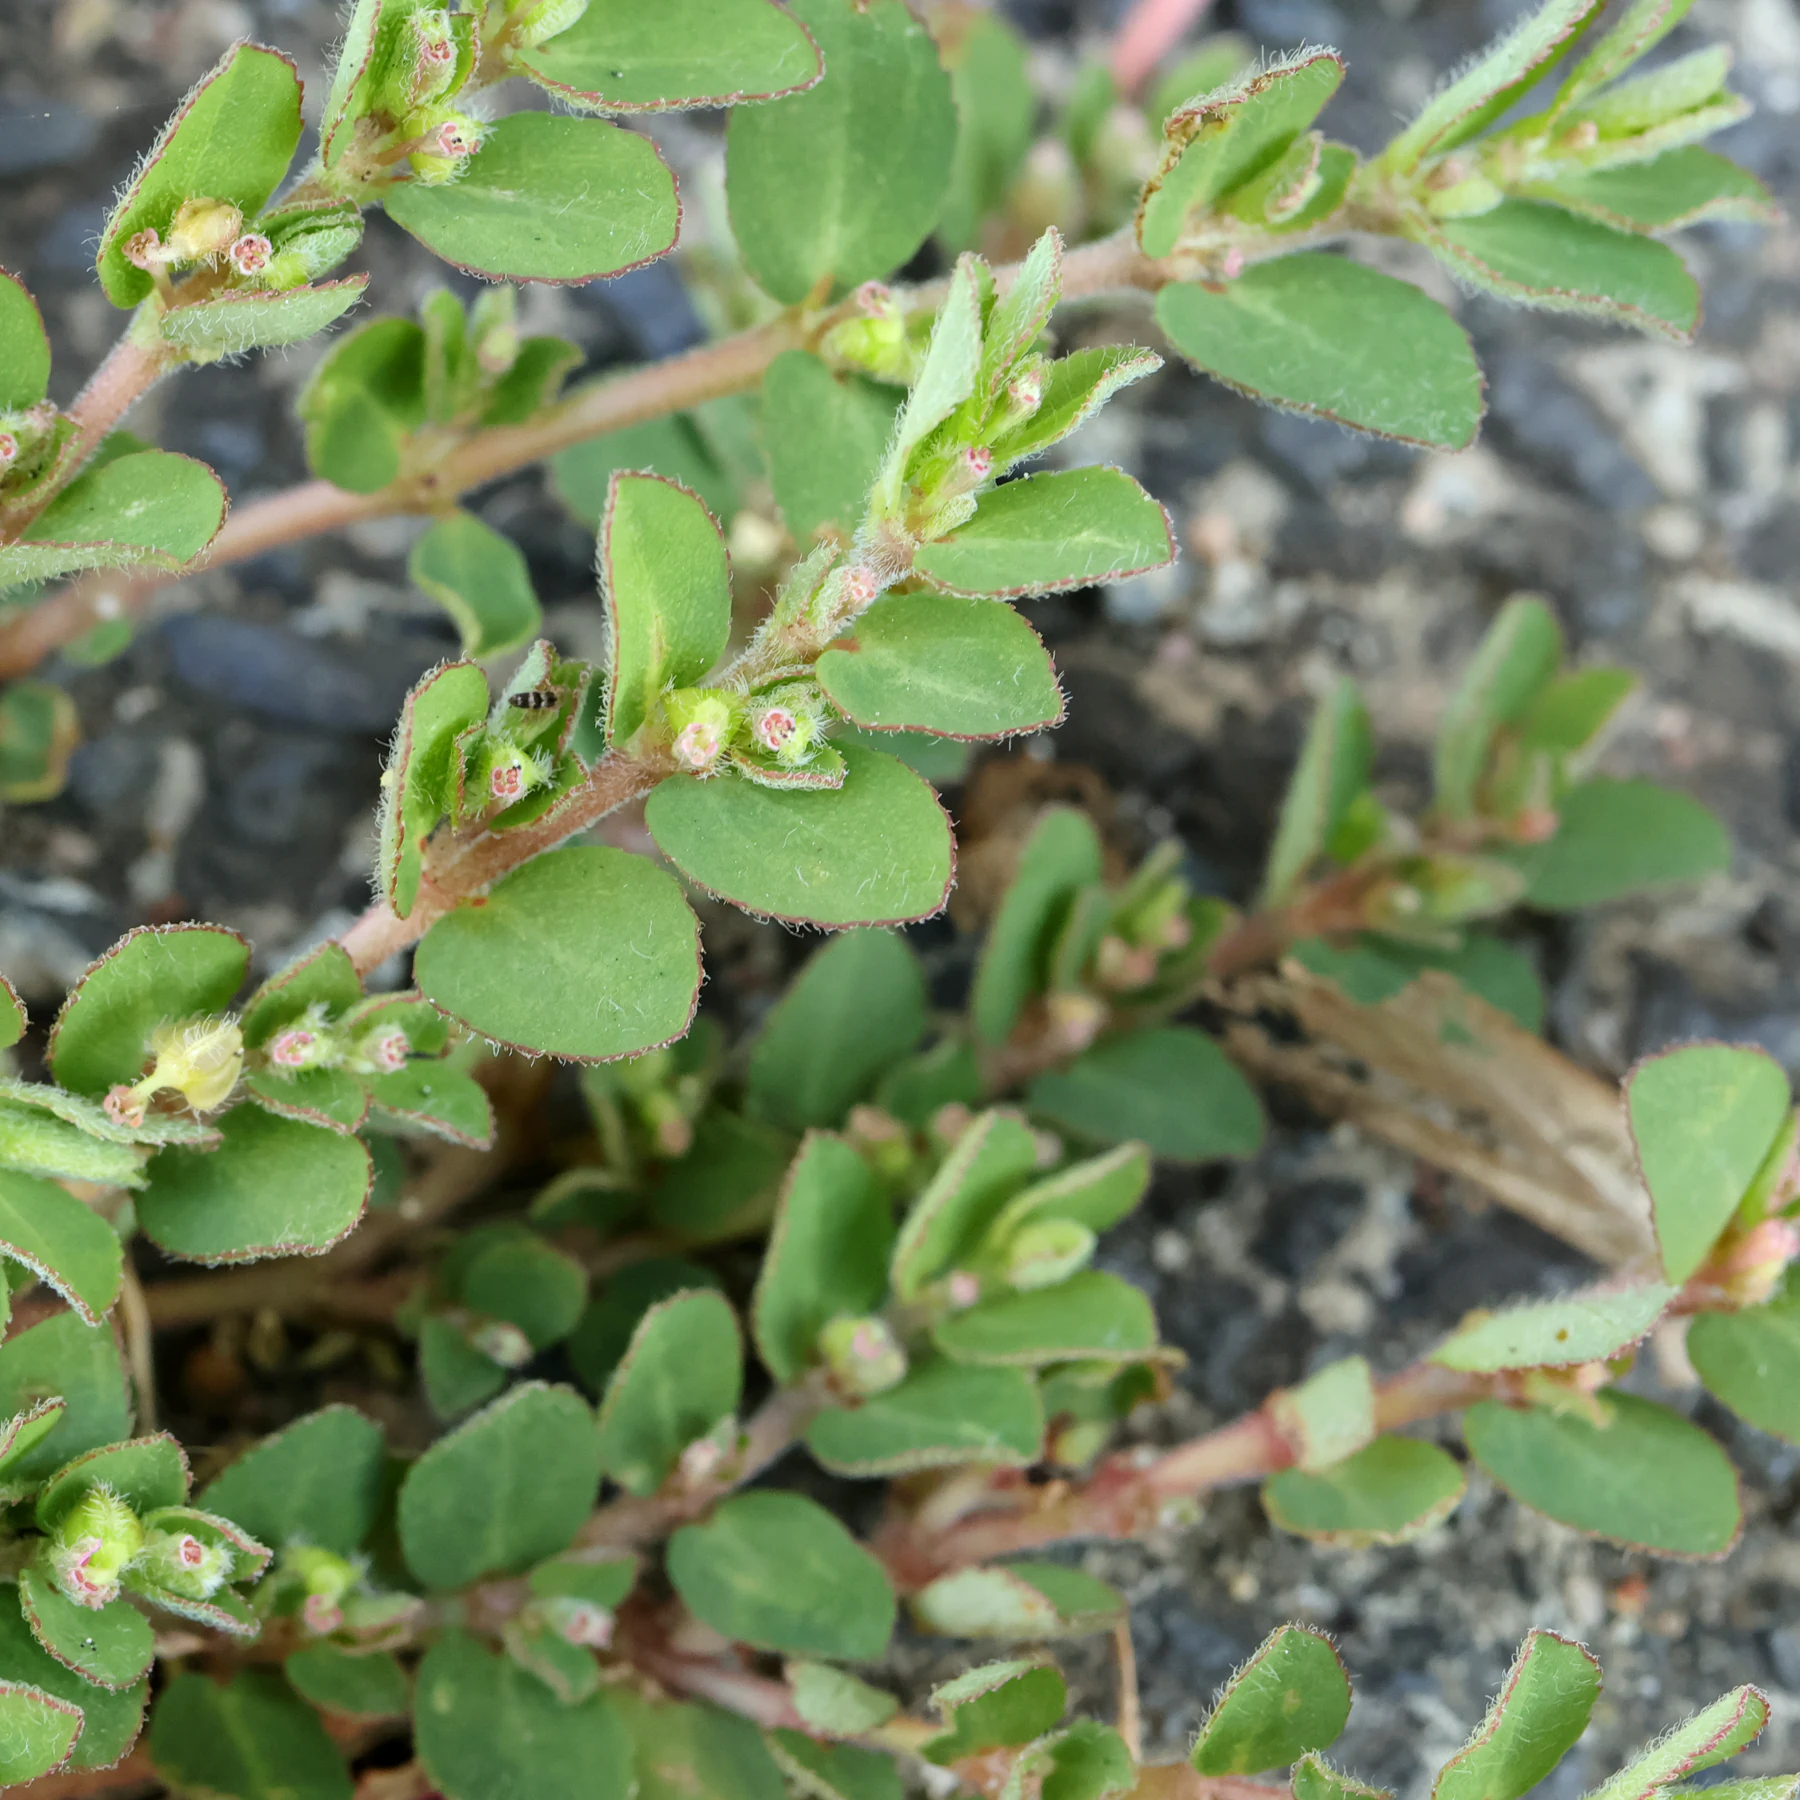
{"type": "Point", "coordinates": [534, 699]}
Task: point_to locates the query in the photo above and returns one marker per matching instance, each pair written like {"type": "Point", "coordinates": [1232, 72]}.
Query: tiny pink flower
{"type": "Point", "coordinates": [143, 249]}
{"type": "Point", "coordinates": [773, 727]}
{"type": "Point", "coordinates": [1027, 393]}
{"type": "Point", "coordinates": [124, 1106]}
{"type": "Point", "coordinates": [292, 1049]}
{"type": "Point", "coordinates": [436, 53]}
{"type": "Point", "coordinates": [507, 782]}
{"type": "Point", "coordinates": [388, 1050]}
{"type": "Point", "coordinates": [583, 1623]}
{"type": "Point", "coordinates": [978, 462]}
{"type": "Point", "coordinates": [697, 748]}
{"type": "Point", "coordinates": [191, 1551]}
{"type": "Point", "coordinates": [452, 138]}
{"type": "Point", "coordinates": [78, 1582]}
{"type": "Point", "coordinates": [251, 253]}
{"type": "Point", "coordinates": [321, 1613]}
{"type": "Point", "coordinates": [1234, 263]}
{"type": "Point", "coordinates": [860, 586]}
{"type": "Point", "coordinates": [873, 298]}
{"type": "Point", "coordinates": [9, 451]}
{"type": "Point", "coordinates": [965, 1289]}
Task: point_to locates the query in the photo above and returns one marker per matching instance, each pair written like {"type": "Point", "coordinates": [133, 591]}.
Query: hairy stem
{"type": "Point", "coordinates": [1130, 1493]}
{"type": "Point", "coordinates": [729, 366]}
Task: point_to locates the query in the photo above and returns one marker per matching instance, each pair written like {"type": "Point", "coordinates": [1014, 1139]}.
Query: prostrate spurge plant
{"type": "Point", "coordinates": [932, 1191]}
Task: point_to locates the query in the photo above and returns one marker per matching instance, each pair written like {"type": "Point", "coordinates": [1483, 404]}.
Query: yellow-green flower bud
{"type": "Point", "coordinates": [180, 1563]}
{"type": "Point", "coordinates": [93, 1545]}
{"type": "Point", "coordinates": [863, 1355]}
{"type": "Point", "coordinates": [701, 723]}
{"type": "Point", "coordinates": [202, 231]}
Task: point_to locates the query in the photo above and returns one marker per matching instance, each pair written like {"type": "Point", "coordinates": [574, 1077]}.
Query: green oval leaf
{"type": "Point", "coordinates": [355, 1686]}
{"type": "Point", "coordinates": [1386, 1493]}
{"type": "Point", "coordinates": [109, 1722]}
{"type": "Point", "coordinates": [77, 1363]}
{"type": "Point", "coordinates": [1619, 837]}
{"type": "Point", "coordinates": [1751, 1360]}
{"type": "Point", "coordinates": [152, 506]}
{"type": "Point", "coordinates": [1551, 1334]}
{"type": "Point", "coordinates": [547, 198]}
{"type": "Point", "coordinates": [585, 953]}
{"type": "Point", "coordinates": [876, 851]}
{"type": "Point", "coordinates": [1543, 256]}
{"type": "Point", "coordinates": [250, 1738]}
{"type": "Point", "coordinates": [1028, 1602]}
{"type": "Point", "coordinates": [24, 346]}
{"type": "Point", "coordinates": [778, 1572]}
{"type": "Point", "coordinates": [319, 1481]}
{"type": "Point", "coordinates": [666, 584]}
{"type": "Point", "coordinates": [1067, 529]}
{"type": "Point", "coordinates": [826, 434]}
{"type": "Point", "coordinates": [480, 579]}
{"type": "Point", "coordinates": [236, 323]}
{"type": "Point", "coordinates": [1646, 1477]}
{"type": "Point", "coordinates": [274, 1187]}
{"type": "Point", "coordinates": [231, 140]}
{"type": "Point", "coordinates": [1703, 1118]}
{"type": "Point", "coordinates": [62, 1241]}
{"type": "Point", "coordinates": [1171, 1087]}
{"type": "Point", "coordinates": [855, 1009]}
{"type": "Point", "coordinates": [828, 1254]}
{"type": "Point", "coordinates": [502, 1492]}
{"type": "Point", "coordinates": [153, 975]}
{"type": "Point", "coordinates": [1538, 1716]}
{"type": "Point", "coordinates": [682, 1373]}
{"type": "Point", "coordinates": [938, 663]}
{"type": "Point", "coordinates": [1091, 1316]}
{"type": "Point", "coordinates": [1324, 336]}
{"type": "Point", "coordinates": [486, 1730]}
{"type": "Point", "coordinates": [943, 1415]}
{"type": "Point", "coordinates": [111, 1645]}
{"type": "Point", "coordinates": [147, 1473]}
{"type": "Point", "coordinates": [37, 1731]}
{"type": "Point", "coordinates": [1292, 1696]}
{"type": "Point", "coordinates": [842, 184]}
{"type": "Point", "coordinates": [622, 56]}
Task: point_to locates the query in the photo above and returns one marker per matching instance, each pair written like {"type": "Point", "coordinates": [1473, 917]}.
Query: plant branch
{"type": "Point", "coordinates": [1133, 1491]}
{"type": "Point", "coordinates": [1150, 31]}
{"type": "Point", "coordinates": [771, 1431]}
{"type": "Point", "coordinates": [468, 864]}
{"type": "Point", "coordinates": [729, 366]}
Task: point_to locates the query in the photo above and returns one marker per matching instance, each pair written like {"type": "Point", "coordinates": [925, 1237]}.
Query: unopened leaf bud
{"type": "Point", "coordinates": [949, 1122]}
{"type": "Point", "coordinates": [873, 338]}
{"type": "Point", "coordinates": [1077, 1445]}
{"type": "Point", "coordinates": [503, 1342]}
{"type": "Point", "coordinates": [93, 1545]}
{"type": "Point", "coordinates": [202, 231]}
{"type": "Point", "coordinates": [1039, 1256]}
{"type": "Point", "coordinates": [863, 1355]}
{"type": "Point", "coordinates": [1233, 265]}
{"type": "Point", "coordinates": [324, 1578]}
{"type": "Point", "coordinates": [1747, 1268]}
{"type": "Point", "coordinates": [181, 1563]}
{"type": "Point", "coordinates": [1024, 395]}
{"type": "Point", "coordinates": [705, 1459]}
{"type": "Point", "coordinates": [251, 255]}
{"type": "Point", "coordinates": [885, 1143]}
{"type": "Point", "coordinates": [963, 1289]}
{"type": "Point", "coordinates": [1583, 136]}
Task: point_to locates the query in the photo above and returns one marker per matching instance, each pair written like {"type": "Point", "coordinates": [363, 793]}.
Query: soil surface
{"type": "Point", "coordinates": [1649, 490]}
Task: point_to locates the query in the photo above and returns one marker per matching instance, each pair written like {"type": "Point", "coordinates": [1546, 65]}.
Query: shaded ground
{"type": "Point", "coordinates": [1648, 490]}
